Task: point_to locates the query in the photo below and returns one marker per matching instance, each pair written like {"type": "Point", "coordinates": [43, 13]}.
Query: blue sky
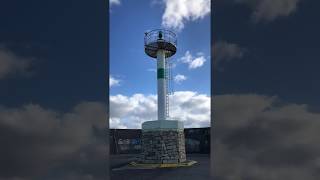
{"type": "Point", "coordinates": [128, 62]}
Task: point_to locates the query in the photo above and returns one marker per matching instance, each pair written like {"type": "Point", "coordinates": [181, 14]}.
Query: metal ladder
{"type": "Point", "coordinates": [169, 87]}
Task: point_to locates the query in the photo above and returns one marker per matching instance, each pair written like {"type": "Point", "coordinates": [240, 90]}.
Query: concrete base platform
{"type": "Point", "coordinates": [162, 125]}
{"type": "Point", "coordinates": [122, 170]}
{"type": "Point", "coordinates": [137, 165]}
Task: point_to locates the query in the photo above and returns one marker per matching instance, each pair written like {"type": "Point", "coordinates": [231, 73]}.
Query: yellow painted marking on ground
{"type": "Point", "coordinates": [166, 165]}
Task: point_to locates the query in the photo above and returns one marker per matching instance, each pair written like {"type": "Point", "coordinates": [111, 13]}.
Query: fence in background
{"type": "Point", "coordinates": [128, 141]}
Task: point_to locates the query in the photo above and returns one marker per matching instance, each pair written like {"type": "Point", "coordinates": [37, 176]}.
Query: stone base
{"type": "Point", "coordinates": [163, 146]}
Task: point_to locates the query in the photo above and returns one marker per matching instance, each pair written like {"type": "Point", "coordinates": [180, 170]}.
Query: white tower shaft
{"type": "Point", "coordinates": [161, 85]}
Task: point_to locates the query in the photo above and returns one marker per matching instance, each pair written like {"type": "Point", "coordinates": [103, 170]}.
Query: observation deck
{"type": "Point", "coordinates": [160, 39]}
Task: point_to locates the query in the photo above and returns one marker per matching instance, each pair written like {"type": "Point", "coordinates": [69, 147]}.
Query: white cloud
{"type": "Point", "coordinates": [268, 10]}
{"type": "Point", "coordinates": [152, 70]}
{"type": "Point", "coordinates": [113, 81]}
{"type": "Point", "coordinates": [271, 139]}
{"type": "Point", "coordinates": [197, 62]}
{"type": "Point", "coordinates": [40, 137]}
{"type": "Point", "coordinates": [178, 12]}
{"type": "Point", "coordinates": [114, 2]}
{"type": "Point", "coordinates": [11, 64]}
{"type": "Point", "coordinates": [179, 78]}
{"type": "Point", "coordinates": [225, 51]}
{"type": "Point", "coordinates": [256, 136]}
{"type": "Point", "coordinates": [193, 62]}
{"type": "Point", "coordinates": [116, 123]}
{"type": "Point", "coordinates": [187, 106]}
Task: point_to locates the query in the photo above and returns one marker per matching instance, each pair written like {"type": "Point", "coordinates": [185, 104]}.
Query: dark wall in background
{"type": "Point", "coordinates": [128, 141]}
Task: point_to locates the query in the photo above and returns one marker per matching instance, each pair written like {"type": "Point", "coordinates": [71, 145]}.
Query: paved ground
{"type": "Point", "coordinates": [199, 171]}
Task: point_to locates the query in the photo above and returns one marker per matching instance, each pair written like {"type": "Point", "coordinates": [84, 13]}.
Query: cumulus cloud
{"type": "Point", "coordinates": [178, 12]}
{"type": "Point", "coordinates": [193, 62]}
{"type": "Point", "coordinates": [152, 70]}
{"type": "Point", "coordinates": [114, 2]}
{"type": "Point", "coordinates": [113, 81]}
{"type": "Point", "coordinates": [179, 78]}
{"type": "Point", "coordinates": [268, 10]}
{"type": "Point", "coordinates": [41, 143]}
{"type": "Point", "coordinates": [255, 136]}
{"type": "Point", "coordinates": [11, 64]}
{"type": "Point", "coordinates": [131, 111]}
{"type": "Point", "coordinates": [262, 138]}
{"type": "Point", "coordinates": [226, 52]}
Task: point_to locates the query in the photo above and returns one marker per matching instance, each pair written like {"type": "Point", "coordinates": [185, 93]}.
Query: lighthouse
{"type": "Point", "coordinates": [162, 139]}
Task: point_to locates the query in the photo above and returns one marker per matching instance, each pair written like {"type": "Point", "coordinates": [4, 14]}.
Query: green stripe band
{"type": "Point", "coordinates": [160, 74]}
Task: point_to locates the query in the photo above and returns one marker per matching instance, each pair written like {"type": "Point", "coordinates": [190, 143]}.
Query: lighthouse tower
{"type": "Point", "coordinates": [162, 139]}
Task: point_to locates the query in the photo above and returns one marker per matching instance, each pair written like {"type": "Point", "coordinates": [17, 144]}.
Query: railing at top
{"type": "Point", "coordinates": [167, 36]}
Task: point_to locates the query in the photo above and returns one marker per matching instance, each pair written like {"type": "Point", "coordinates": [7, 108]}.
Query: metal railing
{"type": "Point", "coordinates": [167, 36]}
